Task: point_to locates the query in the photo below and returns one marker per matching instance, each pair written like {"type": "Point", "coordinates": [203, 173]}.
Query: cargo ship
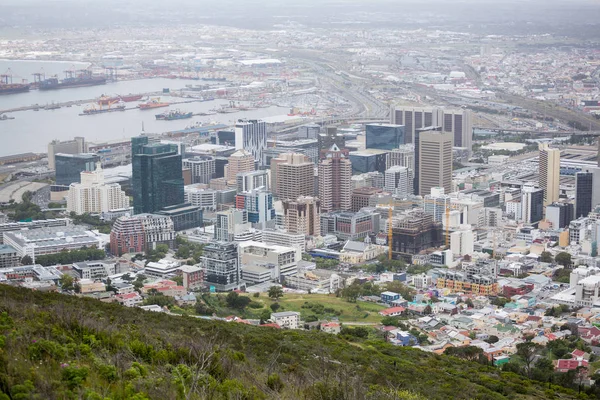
{"type": "Point", "coordinates": [93, 110]}
{"type": "Point", "coordinates": [174, 115]}
{"type": "Point", "coordinates": [11, 88]}
{"type": "Point", "coordinates": [105, 100]}
{"type": "Point", "coordinates": [152, 103]}
{"type": "Point", "coordinates": [84, 78]}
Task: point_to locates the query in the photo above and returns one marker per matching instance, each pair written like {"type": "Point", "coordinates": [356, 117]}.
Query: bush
{"type": "Point", "coordinates": [275, 383]}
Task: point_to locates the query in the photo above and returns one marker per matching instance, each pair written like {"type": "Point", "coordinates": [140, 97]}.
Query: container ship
{"type": "Point", "coordinates": [174, 115]}
{"type": "Point", "coordinates": [85, 78]}
{"type": "Point", "coordinates": [105, 100]}
{"type": "Point", "coordinates": [152, 103]}
{"type": "Point", "coordinates": [11, 88]}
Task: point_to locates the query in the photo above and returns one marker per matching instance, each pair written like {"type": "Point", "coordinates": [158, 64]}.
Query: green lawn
{"type": "Point", "coordinates": [332, 307]}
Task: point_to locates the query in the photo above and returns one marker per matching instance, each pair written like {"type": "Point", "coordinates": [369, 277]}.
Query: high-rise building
{"type": "Point", "coordinates": [403, 156]}
{"type": "Point", "coordinates": [94, 196]}
{"type": "Point", "coordinates": [416, 157]}
{"type": "Point", "coordinates": [184, 216]}
{"type": "Point", "coordinates": [292, 176]}
{"type": "Point", "coordinates": [75, 146]}
{"type": "Point", "coordinates": [414, 232]}
{"type": "Point", "coordinates": [532, 204]}
{"type": "Point", "coordinates": [398, 180]}
{"type": "Point", "coordinates": [309, 131]}
{"type": "Point", "coordinates": [436, 203]}
{"type": "Point", "coordinates": [201, 197]}
{"type": "Point", "coordinates": [549, 172]}
{"type": "Point", "coordinates": [202, 168]}
{"type": "Point", "coordinates": [259, 205]}
{"type": "Point", "coordinates": [221, 266]}
{"type": "Point", "coordinates": [364, 197]}
{"type": "Point", "coordinates": [328, 139]}
{"type": "Point", "coordinates": [457, 122]}
{"type": "Point", "coordinates": [587, 191]}
{"type": "Point", "coordinates": [157, 176]}
{"type": "Point", "coordinates": [303, 215]}
{"type": "Point", "coordinates": [69, 167]}
{"type": "Point", "coordinates": [230, 223]}
{"type": "Point", "coordinates": [141, 232]}
{"type": "Point", "coordinates": [559, 215]}
{"type": "Point", "coordinates": [370, 179]}
{"type": "Point", "coordinates": [247, 181]}
{"type": "Point", "coordinates": [238, 162]}
{"type": "Point", "coordinates": [384, 136]}
{"type": "Point", "coordinates": [251, 135]}
{"type": "Point", "coordinates": [435, 161]}
{"type": "Point", "coordinates": [335, 186]}
{"type": "Point", "coordinates": [462, 241]}
{"type": "Point", "coordinates": [369, 160]}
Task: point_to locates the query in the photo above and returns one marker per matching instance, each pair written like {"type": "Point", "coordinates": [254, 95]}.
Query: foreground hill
{"type": "Point", "coordinates": [61, 347]}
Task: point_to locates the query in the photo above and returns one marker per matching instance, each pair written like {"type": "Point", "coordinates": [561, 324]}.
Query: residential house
{"type": "Point", "coordinates": [564, 365]}
{"type": "Point", "coordinates": [123, 288]}
{"type": "Point", "coordinates": [185, 300]}
{"type": "Point", "coordinates": [402, 338]}
{"type": "Point", "coordinates": [392, 312]}
{"type": "Point", "coordinates": [331, 327]}
{"type": "Point", "coordinates": [129, 299]}
{"type": "Point", "coordinates": [388, 297]}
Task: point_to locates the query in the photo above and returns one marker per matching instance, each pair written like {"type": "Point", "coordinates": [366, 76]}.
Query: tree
{"type": "Point", "coordinates": [275, 292]}
{"type": "Point", "coordinates": [351, 293]}
{"type": "Point", "coordinates": [564, 259]}
{"type": "Point", "coordinates": [492, 339]}
{"type": "Point", "coordinates": [470, 353]}
{"type": "Point", "coordinates": [66, 282]}
{"type": "Point", "coordinates": [469, 303]}
{"type": "Point", "coordinates": [546, 257]}
{"type": "Point", "coordinates": [234, 300]}
{"type": "Point", "coordinates": [427, 310]}
{"type": "Point", "coordinates": [26, 260]}
{"type": "Point", "coordinates": [527, 353]}
{"type": "Point", "coordinates": [265, 315]}
{"type": "Point", "coordinates": [275, 306]}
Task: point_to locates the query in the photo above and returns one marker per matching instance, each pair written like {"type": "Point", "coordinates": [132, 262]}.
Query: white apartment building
{"type": "Point", "coordinates": [399, 180]}
{"type": "Point", "coordinates": [94, 196]}
{"type": "Point", "coordinates": [94, 269]}
{"type": "Point", "coordinates": [462, 241]}
{"type": "Point", "coordinates": [204, 198]}
{"type": "Point", "coordinates": [266, 262]}
{"type": "Point", "coordinates": [287, 319]}
{"type": "Point", "coordinates": [202, 167]}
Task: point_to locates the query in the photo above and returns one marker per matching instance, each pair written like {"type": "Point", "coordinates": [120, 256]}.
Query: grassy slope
{"type": "Point", "coordinates": [101, 343]}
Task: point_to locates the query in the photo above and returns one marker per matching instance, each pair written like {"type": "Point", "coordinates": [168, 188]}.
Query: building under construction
{"type": "Point", "coordinates": [414, 232]}
{"type": "Point", "coordinates": [480, 278]}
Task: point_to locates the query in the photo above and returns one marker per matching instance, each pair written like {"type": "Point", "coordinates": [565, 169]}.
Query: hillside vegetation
{"type": "Point", "coordinates": [61, 347]}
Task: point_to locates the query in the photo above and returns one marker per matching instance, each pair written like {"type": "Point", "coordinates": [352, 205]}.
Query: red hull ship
{"type": "Point", "coordinates": [107, 100]}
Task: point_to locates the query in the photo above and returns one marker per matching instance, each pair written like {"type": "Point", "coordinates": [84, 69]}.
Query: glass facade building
{"type": "Point", "coordinates": [584, 187]}
{"type": "Point", "coordinates": [384, 136]}
{"type": "Point", "coordinates": [157, 176]}
{"type": "Point", "coordinates": [70, 166]}
{"type": "Point", "coordinates": [369, 160]}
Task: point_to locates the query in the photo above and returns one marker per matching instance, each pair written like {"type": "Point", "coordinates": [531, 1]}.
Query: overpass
{"type": "Point", "coordinates": [334, 120]}
{"type": "Point", "coordinates": [539, 133]}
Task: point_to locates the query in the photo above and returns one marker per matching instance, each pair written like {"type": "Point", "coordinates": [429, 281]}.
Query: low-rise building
{"type": "Point", "coordinates": [8, 257]}
{"type": "Point", "coordinates": [286, 319]}
{"type": "Point", "coordinates": [262, 262]}
{"type": "Point", "coordinates": [53, 240]}
{"type": "Point", "coordinates": [94, 269]}
{"type": "Point", "coordinates": [129, 299]}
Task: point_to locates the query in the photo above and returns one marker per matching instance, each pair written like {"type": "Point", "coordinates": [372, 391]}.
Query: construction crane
{"type": "Point", "coordinates": [447, 228]}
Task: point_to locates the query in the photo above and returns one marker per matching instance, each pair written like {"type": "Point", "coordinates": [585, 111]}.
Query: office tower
{"type": "Point", "coordinates": [206, 199]}
{"type": "Point", "coordinates": [549, 172]}
{"type": "Point", "coordinates": [398, 180]}
{"type": "Point", "coordinates": [309, 131]}
{"type": "Point", "coordinates": [184, 216]}
{"type": "Point", "coordinates": [416, 157]}
{"type": "Point", "coordinates": [559, 215]}
{"type": "Point", "coordinates": [240, 161]}
{"type": "Point", "coordinates": [157, 178]}
{"type": "Point", "coordinates": [335, 185]}
{"type": "Point", "coordinates": [292, 176]}
{"type": "Point", "coordinates": [75, 146]}
{"type": "Point", "coordinates": [230, 223]}
{"type": "Point", "coordinates": [303, 215]}
{"type": "Point", "coordinates": [225, 138]}
{"type": "Point", "coordinates": [328, 139]}
{"type": "Point", "coordinates": [587, 191]}
{"type": "Point", "coordinates": [69, 167]}
{"type": "Point", "coordinates": [251, 135]}
{"type": "Point", "coordinates": [247, 181]}
{"type": "Point", "coordinates": [258, 203]}
{"type": "Point", "coordinates": [308, 147]}
{"type": "Point", "coordinates": [368, 160]}
{"type": "Point", "coordinates": [221, 265]}
{"type": "Point", "coordinates": [364, 197]}
{"type": "Point", "coordinates": [457, 122]}
{"type": "Point", "coordinates": [435, 161]}
{"type": "Point", "coordinates": [202, 168]}
{"type": "Point", "coordinates": [532, 204]}
{"type": "Point", "coordinates": [384, 136]}
{"type": "Point", "coordinates": [403, 156]}
{"type": "Point", "coordinates": [94, 196]}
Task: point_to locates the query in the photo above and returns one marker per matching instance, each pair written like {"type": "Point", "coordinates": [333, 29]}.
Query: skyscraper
{"type": "Point", "coordinates": [403, 156]}
{"type": "Point", "coordinates": [457, 122]}
{"type": "Point", "coordinates": [532, 204]}
{"type": "Point", "coordinates": [251, 135]}
{"type": "Point", "coordinates": [559, 215]}
{"type": "Point", "coordinates": [303, 215]}
{"type": "Point", "coordinates": [384, 136]}
{"type": "Point", "coordinates": [398, 180]}
{"type": "Point", "coordinates": [221, 265]}
{"type": "Point", "coordinates": [584, 188]}
{"type": "Point", "coordinates": [435, 161]}
{"type": "Point", "coordinates": [75, 146]}
{"type": "Point", "coordinates": [247, 181]}
{"type": "Point", "coordinates": [202, 168]}
{"type": "Point", "coordinates": [157, 176]}
{"type": "Point", "coordinates": [328, 139]}
{"type": "Point", "coordinates": [240, 161]}
{"type": "Point", "coordinates": [292, 176]}
{"type": "Point", "coordinates": [549, 172]}
{"type": "Point", "coordinates": [335, 185]}
{"type": "Point", "coordinates": [70, 166]}
{"type": "Point", "coordinates": [259, 205]}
